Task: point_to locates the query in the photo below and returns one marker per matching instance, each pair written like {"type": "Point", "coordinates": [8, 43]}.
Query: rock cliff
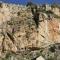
{"type": "Point", "coordinates": [18, 29]}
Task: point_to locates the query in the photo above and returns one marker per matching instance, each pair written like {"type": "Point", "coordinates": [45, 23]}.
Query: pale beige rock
{"type": "Point", "coordinates": [27, 36]}
{"type": "Point", "coordinates": [40, 58]}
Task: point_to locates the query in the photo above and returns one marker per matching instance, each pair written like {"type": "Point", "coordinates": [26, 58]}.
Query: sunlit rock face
{"type": "Point", "coordinates": [17, 20]}
{"type": "Point", "coordinates": [54, 30]}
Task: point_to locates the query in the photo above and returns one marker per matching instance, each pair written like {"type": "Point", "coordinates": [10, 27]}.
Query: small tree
{"type": "Point", "coordinates": [35, 13]}
{"type": "Point", "coordinates": [1, 5]}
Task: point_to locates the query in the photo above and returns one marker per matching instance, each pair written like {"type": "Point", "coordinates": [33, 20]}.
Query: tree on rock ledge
{"type": "Point", "coordinates": [35, 13]}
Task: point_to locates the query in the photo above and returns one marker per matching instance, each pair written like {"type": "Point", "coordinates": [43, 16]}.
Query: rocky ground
{"type": "Point", "coordinates": [20, 39]}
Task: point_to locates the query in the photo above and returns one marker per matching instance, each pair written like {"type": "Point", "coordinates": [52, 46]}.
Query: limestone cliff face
{"type": "Point", "coordinates": [18, 28]}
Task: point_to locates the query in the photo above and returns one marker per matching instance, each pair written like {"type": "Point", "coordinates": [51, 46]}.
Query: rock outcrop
{"type": "Point", "coordinates": [18, 29]}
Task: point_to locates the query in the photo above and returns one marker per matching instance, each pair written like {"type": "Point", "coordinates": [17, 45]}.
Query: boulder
{"type": "Point", "coordinates": [40, 58]}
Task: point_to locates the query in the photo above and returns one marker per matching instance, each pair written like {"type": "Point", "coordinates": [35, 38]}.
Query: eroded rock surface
{"type": "Point", "coordinates": [18, 32]}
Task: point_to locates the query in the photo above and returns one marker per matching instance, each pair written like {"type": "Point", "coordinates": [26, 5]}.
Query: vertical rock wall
{"type": "Point", "coordinates": [19, 20]}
